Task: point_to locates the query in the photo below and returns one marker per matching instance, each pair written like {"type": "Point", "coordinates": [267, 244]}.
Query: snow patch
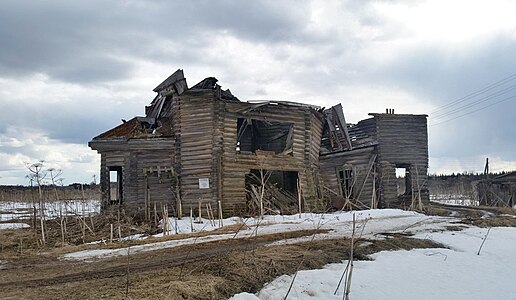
{"type": "Point", "coordinates": [13, 225]}
{"type": "Point", "coordinates": [456, 273]}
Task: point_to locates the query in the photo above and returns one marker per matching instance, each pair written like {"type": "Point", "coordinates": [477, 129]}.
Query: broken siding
{"type": "Point", "coordinates": [499, 191]}
{"type": "Point", "coordinates": [137, 155]}
{"type": "Point", "coordinates": [363, 133]}
{"type": "Point", "coordinates": [237, 165]}
{"type": "Point", "coordinates": [360, 160]}
{"type": "Point", "coordinates": [153, 178]}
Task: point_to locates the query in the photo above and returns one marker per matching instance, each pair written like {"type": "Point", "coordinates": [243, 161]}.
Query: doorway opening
{"type": "Point", "coordinates": [115, 185]}
{"type": "Point", "coordinates": [403, 180]}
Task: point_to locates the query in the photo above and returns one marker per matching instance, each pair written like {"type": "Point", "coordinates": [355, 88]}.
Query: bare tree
{"type": "Point", "coordinates": [56, 179]}
{"type": "Point", "coordinates": [38, 175]}
{"type": "Point", "coordinates": [30, 177]}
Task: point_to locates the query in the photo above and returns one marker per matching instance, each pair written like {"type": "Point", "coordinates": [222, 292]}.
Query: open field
{"type": "Point", "coordinates": [239, 257]}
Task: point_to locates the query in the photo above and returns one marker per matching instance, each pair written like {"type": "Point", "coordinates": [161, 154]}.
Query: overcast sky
{"type": "Point", "coordinates": [70, 70]}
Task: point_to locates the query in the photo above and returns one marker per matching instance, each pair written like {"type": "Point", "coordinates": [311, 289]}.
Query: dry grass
{"type": "Point", "coordinates": [481, 216]}
{"type": "Point", "coordinates": [213, 270]}
{"type": "Point", "coordinates": [217, 275]}
{"type": "Point", "coordinates": [496, 221]}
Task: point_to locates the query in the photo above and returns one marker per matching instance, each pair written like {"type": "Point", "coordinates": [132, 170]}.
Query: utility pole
{"type": "Point", "coordinates": [486, 168]}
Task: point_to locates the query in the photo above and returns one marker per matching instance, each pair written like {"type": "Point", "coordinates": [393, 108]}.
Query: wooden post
{"type": "Point", "coordinates": [299, 196]}
{"type": "Point", "coordinates": [178, 199]}
{"type": "Point", "coordinates": [221, 222]}
{"type": "Point", "coordinates": [179, 206]}
{"type": "Point", "coordinates": [147, 202]}
{"type": "Point", "coordinates": [373, 196]}
{"type": "Point", "coordinates": [350, 271]}
{"type": "Point", "coordinates": [262, 193]}
{"type": "Point", "coordinates": [191, 220]}
{"type": "Point", "coordinates": [210, 214]}
{"type": "Point", "coordinates": [200, 212]}
{"type": "Point", "coordinates": [111, 234]}
{"type": "Point", "coordinates": [64, 222]}
{"type": "Point", "coordinates": [155, 215]}
{"type": "Point", "coordinates": [165, 220]}
{"type": "Point", "coordinates": [166, 217]}
{"type": "Point", "coordinates": [62, 231]}
{"type": "Point", "coordinates": [83, 227]}
{"type": "Point", "coordinates": [92, 225]}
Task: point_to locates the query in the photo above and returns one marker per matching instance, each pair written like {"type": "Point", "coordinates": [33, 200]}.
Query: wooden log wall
{"type": "Point", "coordinates": [359, 160]}
{"type": "Point", "coordinates": [133, 156]}
{"type": "Point", "coordinates": [313, 129]}
{"type": "Point", "coordinates": [402, 142]}
{"type": "Point", "coordinates": [237, 165]}
{"type": "Point", "coordinates": [196, 132]}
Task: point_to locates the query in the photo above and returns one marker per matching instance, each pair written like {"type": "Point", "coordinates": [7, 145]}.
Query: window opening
{"type": "Point", "coordinates": [347, 181]}
{"type": "Point", "coordinates": [253, 135]}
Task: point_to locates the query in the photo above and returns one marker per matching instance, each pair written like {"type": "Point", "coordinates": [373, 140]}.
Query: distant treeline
{"type": "Point", "coordinates": [74, 191]}
{"type": "Point", "coordinates": [470, 175]}
{"type": "Point", "coordinates": [460, 184]}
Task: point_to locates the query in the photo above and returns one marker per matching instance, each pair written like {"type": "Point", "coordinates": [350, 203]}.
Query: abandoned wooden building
{"type": "Point", "coordinates": [202, 144]}
{"type": "Point", "coordinates": [497, 191]}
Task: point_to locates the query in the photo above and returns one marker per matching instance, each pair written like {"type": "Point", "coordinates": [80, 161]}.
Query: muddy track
{"type": "Point", "coordinates": [156, 260]}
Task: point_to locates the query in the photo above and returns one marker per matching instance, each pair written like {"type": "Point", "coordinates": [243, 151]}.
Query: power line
{"type": "Point", "coordinates": [481, 100]}
{"type": "Point", "coordinates": [470, 112]}
{"type": "Point", "coordinates": [473, 94]}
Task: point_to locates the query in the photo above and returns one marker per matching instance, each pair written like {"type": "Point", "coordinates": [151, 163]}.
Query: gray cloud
{"type": "Point", "coordinates": [444, 74]}
{"type": "Point", "coordinates": [84, 42]}
{"type": "Point", "coordinates": [97, 44]}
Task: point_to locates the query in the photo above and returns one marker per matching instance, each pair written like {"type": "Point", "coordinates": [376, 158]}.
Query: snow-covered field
{"type": "Point", "coordinates": [13, 225]}
{"type": "Point", "coordinates": [456, 272]}
{"type": "Point", "coordinates": [369, 224]}
{"type": "Point", "coordinates": [453, 273]}
{"type": "Point", "coordinates": [14, 210]}
{"type": "Point", "coordinates": [459, 200]}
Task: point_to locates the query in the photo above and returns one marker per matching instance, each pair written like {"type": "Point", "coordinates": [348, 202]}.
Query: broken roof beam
{"type": "Point", "coordinates": [175, 82]}
{"type": "Point", "coordinates": [337, 128]}
{"type": "Point", "coordinates": [342, 125]}
{"type": "Point", "coordinates": [157, 106]}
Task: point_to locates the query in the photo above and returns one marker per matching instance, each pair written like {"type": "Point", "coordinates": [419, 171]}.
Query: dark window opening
{"type": "Point", "coordinates": [253, 135]}
{"type": "Point", "coordinates": [279, 193]}
{"type": "Point", "coordinates": [115, 185]}
{"type": "Point", "coordinates": [347, 182]}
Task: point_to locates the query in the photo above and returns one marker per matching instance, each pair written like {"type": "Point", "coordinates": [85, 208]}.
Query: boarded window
{"type": "Point", "coordinates": [253, 135]}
